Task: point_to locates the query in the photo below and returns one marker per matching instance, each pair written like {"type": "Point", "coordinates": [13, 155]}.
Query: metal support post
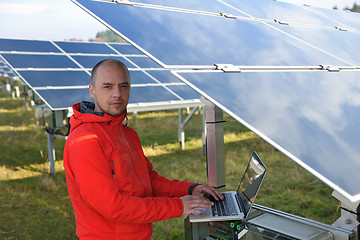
{"type": "Point", "coordinates": [181, 133]}
{"type": "Point", "coordinates": [214, 144]}
{"type": "Point", "coordinates": [51, 152]}
{"type": "Point", "coordinates": [203, 135]}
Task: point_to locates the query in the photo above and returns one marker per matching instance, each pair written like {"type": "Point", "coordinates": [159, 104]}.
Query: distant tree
{"type": "Point", "coordinates": [355, 8]}
{"type": "Point", "coordinates": [109, 36]}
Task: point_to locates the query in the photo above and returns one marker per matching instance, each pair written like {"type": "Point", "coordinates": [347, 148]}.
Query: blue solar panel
{"type": "Point", "coordinates": [64, 98]}
{"type": "Point", "coordinates": [83, 47]}
{"type": "Point", "coordinates": [140, 77]}
{"type": "Point", "coordinates": [282, 12]}
{"type": "Point", "coordinates": [144, 62]}
{"type": "Point", "coordinates": [342, 19]}
{"type": "Point", "coordinates": [27, 46]}
{"type": "Point", "coordinates": [164, 76]}
{"type": "Point", "coordinates": [61, 78]}
{"type": "Point", "coordinates": [339, 44]}
{"type": "Point", "coordinates": [193, 39]}
{"type": "Point", "coordinates": [212, 6]}
{"type": "Point", "coordinates": [311, 116]}
{"type": "Point", "coordinates": [39, 61]}
{"type": "Point", "coordinates": [55, 78]}
{"type": "Point", "coordinates": [126, 49]}
{"type": "Point", "coordinates": [91, 61]}
{"type": "Point", "coordinates": [150, 94]}
{"type": "Point", "coordinates": [183, 91]}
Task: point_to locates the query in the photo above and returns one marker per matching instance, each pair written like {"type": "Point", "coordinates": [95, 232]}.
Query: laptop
{"type": "Point", "coordinates": [236, 205]}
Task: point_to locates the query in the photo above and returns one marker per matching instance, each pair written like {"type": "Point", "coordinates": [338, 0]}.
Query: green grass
{"type": "Point", "coordinates": [36, 205]}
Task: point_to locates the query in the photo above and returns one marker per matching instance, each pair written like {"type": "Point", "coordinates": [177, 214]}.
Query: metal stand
{"type": "Point", "coordinates": [181, 133]}
{"type": "Point", "coordinates": [51, 152]}
{"type": "Point", "coordinates": [214, 144]}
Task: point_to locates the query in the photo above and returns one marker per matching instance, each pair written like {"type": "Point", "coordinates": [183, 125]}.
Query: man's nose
{"type": "Point", "coordinates": [116, 92]}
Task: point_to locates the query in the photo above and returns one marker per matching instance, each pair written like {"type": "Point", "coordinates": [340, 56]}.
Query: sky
{"type": "Point", "coordinates": [62, 20]}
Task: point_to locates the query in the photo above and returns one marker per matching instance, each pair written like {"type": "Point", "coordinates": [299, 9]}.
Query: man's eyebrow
{"type": "Point", "coordinates": [109, 83]}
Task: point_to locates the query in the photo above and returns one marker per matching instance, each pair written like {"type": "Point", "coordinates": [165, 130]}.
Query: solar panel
{"type": "Point", "coordinates": [61, 77]}
{"type": "Point", "coordinates": [309, 112]}
{"type": "Point", "coordinates": [193, 39]}
{"type": "Point", "coordinates": [310, 116]}
{"type": "Point", "coordinates": [6, 71]}
{"type": "Point", "coordinates": [21, 45]}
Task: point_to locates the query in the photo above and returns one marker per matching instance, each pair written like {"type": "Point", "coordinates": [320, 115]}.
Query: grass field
{"type": "Point", "coordinates": [35, 205]}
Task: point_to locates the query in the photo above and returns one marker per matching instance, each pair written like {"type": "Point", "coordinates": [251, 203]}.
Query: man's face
{"type": "Point", "coordinates": [112, 89]}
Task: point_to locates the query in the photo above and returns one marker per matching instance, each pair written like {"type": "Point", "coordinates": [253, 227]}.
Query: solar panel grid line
{"type": "Point", "coordinates": [244, 68]}
{"type": "Point", "coordinates": [104, 55]}
{"type": "Point", "coordinates": [32, 53]}
{"type": "Point", "coordinates": [157, 84]}
{"type": "Point", "coordinates": [61, 87]}
{"type": "Point", "coordinates": [49, 69]}
{"type": "Point", "coordinates": [70, 57]}
{"type": "Point", "coordinates": [314, 26]}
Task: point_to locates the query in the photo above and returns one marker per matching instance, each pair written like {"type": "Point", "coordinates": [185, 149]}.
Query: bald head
{"type": "Point", "coordinates": [107, 63]}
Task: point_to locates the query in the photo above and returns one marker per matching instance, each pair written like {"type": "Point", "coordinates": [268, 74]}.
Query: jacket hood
{"type": "Point", "coordinates": [84, 113]}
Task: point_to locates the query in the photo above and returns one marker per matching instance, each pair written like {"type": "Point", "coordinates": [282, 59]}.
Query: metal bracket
{"type": "Point", "coordinates": [280, 22]}
{"type": "Point", "coordinates": [341, 29]}
{"type": "Point", "coordinates": [227, 15]}
{"type": "Point", "coordinates": [227, 68]}
{"type": "Point", "coordinates": [330, 68]}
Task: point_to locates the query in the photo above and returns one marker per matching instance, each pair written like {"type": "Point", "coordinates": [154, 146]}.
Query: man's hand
{"type": "Point", "coordinates": [191, 202]}
{"type": "Point", "coordinates": [203, 189]}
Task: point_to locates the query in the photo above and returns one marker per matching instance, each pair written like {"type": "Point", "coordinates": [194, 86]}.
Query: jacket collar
{"type": "Point", "coordinates": [84, 113]}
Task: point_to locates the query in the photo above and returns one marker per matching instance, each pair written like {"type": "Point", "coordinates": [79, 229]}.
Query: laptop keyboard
{"type": "Point", "coordinates": [226, 207]}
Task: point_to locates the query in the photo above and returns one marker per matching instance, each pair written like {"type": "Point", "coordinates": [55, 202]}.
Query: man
{"type": "Point", "coordinates": [114, 190]}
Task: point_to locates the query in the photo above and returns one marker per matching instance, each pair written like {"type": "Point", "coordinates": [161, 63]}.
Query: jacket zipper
{"type": "Point", "coordinates": [127, 145]}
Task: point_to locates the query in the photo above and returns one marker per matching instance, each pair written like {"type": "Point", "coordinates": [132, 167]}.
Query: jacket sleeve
{"type": "Point", "coordinates": [94, 186]}
{"type": "Point", "coordinates": [164, 187]}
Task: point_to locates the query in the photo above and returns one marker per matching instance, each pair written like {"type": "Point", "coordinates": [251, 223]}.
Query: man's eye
{"type": "Point", "coordinates": [106, 86]}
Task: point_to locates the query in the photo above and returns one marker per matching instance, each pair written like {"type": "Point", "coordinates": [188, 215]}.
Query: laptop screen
{"type": "Point", "coordinates": [251, 181]}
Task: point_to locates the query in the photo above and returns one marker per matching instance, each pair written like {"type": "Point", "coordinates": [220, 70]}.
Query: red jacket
{"type": "Point", "coordinates": [114, 190]}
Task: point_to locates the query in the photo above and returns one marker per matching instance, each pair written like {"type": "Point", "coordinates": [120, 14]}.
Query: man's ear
{"type": "Point", "coordinates": [92, 91]}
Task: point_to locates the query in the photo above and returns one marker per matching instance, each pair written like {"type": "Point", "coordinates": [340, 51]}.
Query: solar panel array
{"type": "Point", "coordinates": [6, 71]}
{"type": "Point", "coordinates": [289, 73]}
{"type": "Point", "coordinates": [59, 72]}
